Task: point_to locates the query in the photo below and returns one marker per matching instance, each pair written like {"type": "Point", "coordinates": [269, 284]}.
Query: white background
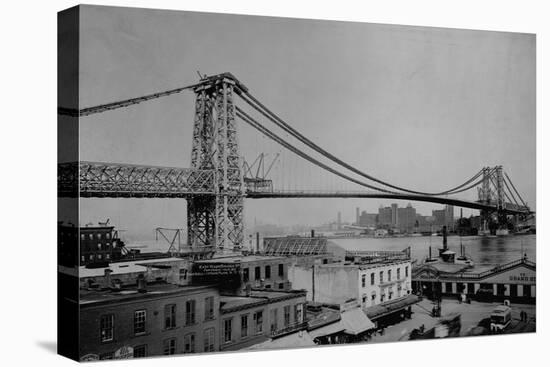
{"type": "Point", "coordinates": [28, 181]}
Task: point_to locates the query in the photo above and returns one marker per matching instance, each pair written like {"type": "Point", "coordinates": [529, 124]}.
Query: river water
{"type": "Point", "coordinates": [487, 250]}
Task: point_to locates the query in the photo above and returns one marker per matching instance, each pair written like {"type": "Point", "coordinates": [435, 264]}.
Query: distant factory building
{"type": "Point", "coordinates": [444, 217]}
{"type": "Point", "coordinates": [406, 218]}
{"type": "Point", "coordinates": [368, 219]}
{"type": "Point", "coordinates": [394, 215]}
{"type": "Point", "coordinates": [385, 216]}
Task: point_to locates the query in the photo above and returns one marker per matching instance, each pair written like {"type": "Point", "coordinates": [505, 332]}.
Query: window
{"type": "Point", "coordinates": [371, 278]}
{"type": "Point", "coordinates": [190, 312]}
{"type": "Point", "coordinates": [398, 273]}
{"type": "Point", "coordinates": [257, 273]}
{"type": "Point", "coordinates": [99, 246]}
{"type": "Point", "coordinates": [91, 236]}
{"type": "Point", "coordinates": [389, 275]}
{"type": "Point", "coordinates": [406, 271]}
{"type": "Point", "coordinates": [364, 300]}
{"type": "Point", "coordinates": [140, 351]}
{"type": "Point", "coordinates": [108, 236]}
{"type": "Point", "coordinates": [82, 237]}
{"type": "Point", "coordinates": [298, 313]}
{"type": "Point", "coordinates": [107, 256]}
{"type": "Point", "coordinates": [209, 340]}
{"type": "Point", "coordinates": [244, 326]}
{"type": "Point", "coordinates": [246, 275]}
{"type": "Point", "coordinates": [169, 346]}
{"type": "Point", "coordinates": [227, 326]}
{"type": "Point", "coordinates": [99, 256]}
{"type": "Point", "coordinates": [286, 311]}
{"type": "Point", "coordinates": [373, 296]}
{"type": "Point", "coordinates": [98, 236]}
{"type": "Point", "coordinates": [189, 343]}
{"type": "Point", "coordinates": [281, 270]}
{"type": "Point", "coordinates": [107, 325]}
{"type": "Point", "coordinates": [273, 324]}
{"type": "Point", "coordinates": [183, 274]}
{"type": "Point", "coordinates": [382, 296]}
{"type": "Point", "coordinates": [140, 317]}
{"type": "Point", "coordinates": [281, 285]}
{"type": "Point", "coordinates": [209, 308]}
{"type": "Point", "coordinates": [267, 271]}
{"type": "Point", "coordinates": [83, 258]}
{"type": "Point", "coordinates": [258, 322]}
{"type": "Point", "coordinates": [169, 316]}
{"type": "Point", "coordinates": [381, 277]}
{"type": "Point", "coordinates": [363, 280]}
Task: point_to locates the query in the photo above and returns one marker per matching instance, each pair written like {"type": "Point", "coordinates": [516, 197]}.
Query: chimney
{"type": "Point", "coordinates": [444, 230]}
{"type": "Point", "coordinates": [141, 284]}
{"type": "Point", "coordinates": [107, 278]}
{"type": "Point", "coordinates": [312, 233]}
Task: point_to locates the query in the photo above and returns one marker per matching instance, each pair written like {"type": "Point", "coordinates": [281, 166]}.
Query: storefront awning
{"type": "Point", "coordinates": [355, 321]}
{"type": "Point", "coordinates": [389, 307]}
{"type": "Point", "coordinates": [330, 329]}
{"type": "Point", "coordinates": [297, 340]}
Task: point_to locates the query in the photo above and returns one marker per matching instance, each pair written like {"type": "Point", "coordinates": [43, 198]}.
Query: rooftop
{"type": "Point", "coordinates": [228, 303]}
{"type": "Point", "coordinates": [239, 259]}
{"type": "Point", "coordinates": [364, 266]}
{"type": "Point", "coordinates": [126, 267]}
{"type": "Point", "coordinates": [257, 297]}
{"type": "Point", "coordinates": [97, 297]}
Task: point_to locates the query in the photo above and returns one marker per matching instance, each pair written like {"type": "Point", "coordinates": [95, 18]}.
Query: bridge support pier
{"type": "Point", "coordinates": [215, 221]}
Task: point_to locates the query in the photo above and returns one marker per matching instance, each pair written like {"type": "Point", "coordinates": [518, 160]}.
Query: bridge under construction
{"type": "Point", "coordinates": [219, 179]}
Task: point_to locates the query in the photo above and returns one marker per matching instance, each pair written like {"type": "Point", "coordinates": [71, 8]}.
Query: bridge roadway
{"type": "Point", "coordinates": [115, 180]}
{"type": "Point", "coordinates": [379, 195]}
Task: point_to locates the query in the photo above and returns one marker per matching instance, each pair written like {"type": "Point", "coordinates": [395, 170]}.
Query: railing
{"type": "Point", "coordinates": [377, 256]}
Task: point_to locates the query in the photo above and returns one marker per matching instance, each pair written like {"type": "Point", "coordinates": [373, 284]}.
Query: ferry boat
{"type": "Point", "coordinates": [448, 256]}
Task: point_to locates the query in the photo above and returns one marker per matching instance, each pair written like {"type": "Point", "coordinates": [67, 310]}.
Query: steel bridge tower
{"type": "Point", "coordinates": [215, 221]}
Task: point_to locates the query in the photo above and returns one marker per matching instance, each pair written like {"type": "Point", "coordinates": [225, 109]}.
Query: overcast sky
{"type": "Point", "coordinates": [423, 108]}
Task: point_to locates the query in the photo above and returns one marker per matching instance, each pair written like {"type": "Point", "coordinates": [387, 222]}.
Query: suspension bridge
{"type": "Point", "coordinates": [220, 178]}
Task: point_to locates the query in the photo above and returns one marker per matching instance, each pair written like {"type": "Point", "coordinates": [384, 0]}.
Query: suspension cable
{"type": "Point", "coordinates": [283, 125]}
{"type": "Point", "coordinates": [510, 192]}
{"type": "Point", "coordinates": [119, 104]}
{"type": "Point", "coordinates": [255, 124]}
{"type": "Point", "coordinates": [519, 196]}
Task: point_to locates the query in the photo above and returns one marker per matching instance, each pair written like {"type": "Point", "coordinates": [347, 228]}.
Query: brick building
{"type": "Point", "coordinates": [260, 316]}
{"type": "Point", "coordinates": [88, 245]}
{"type": "Point", "coordinates": [240, 272]}
{"type": "Point", "coordinates": [156, 320]}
